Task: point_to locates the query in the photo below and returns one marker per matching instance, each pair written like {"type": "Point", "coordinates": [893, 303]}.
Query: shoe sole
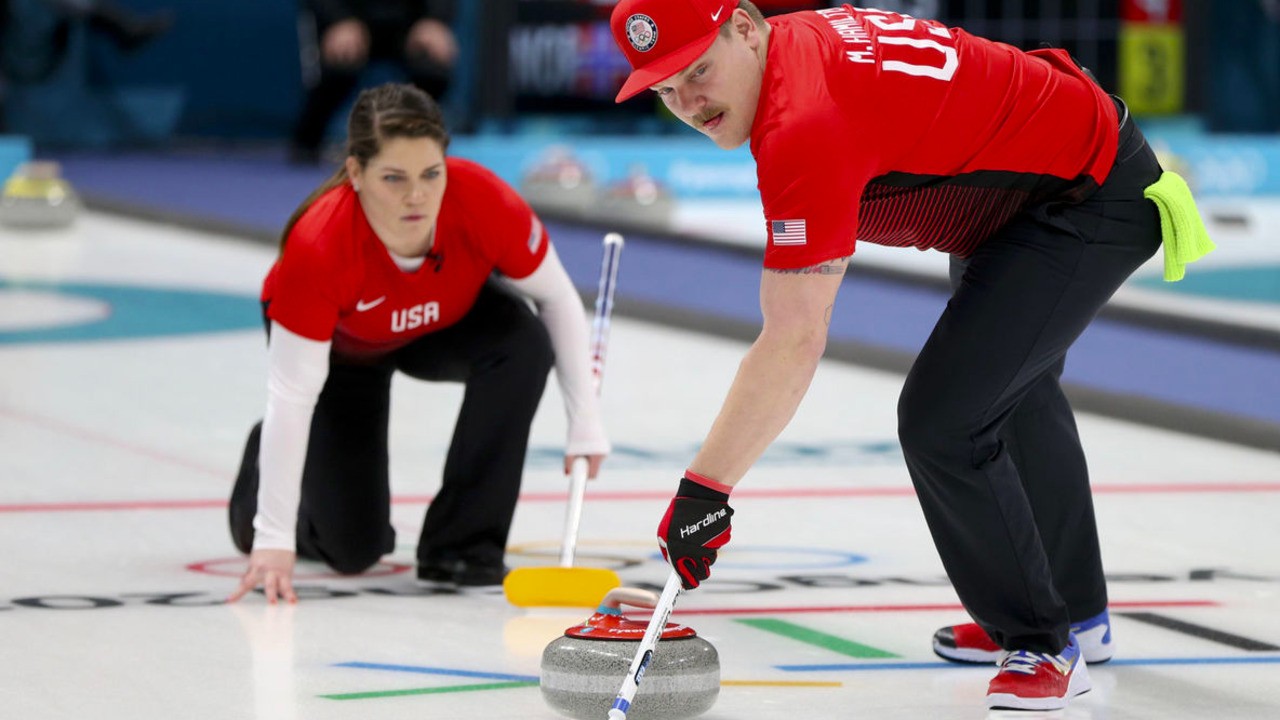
{"type": "Point", "coordinates": [965, 655]}
{"type": "Point", "coordinates": [1095, 653]}
{"type": "Point", "coordinates": [480, 589]}
{"type": "Point", "coordinates": [1079, 685]}
{"type": "Point", "coordinates": [455, 586]}
{"type": "Point", "coordinates": [452, 585]}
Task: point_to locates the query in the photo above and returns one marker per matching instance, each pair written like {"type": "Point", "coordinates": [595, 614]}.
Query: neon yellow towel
{"type": "Point", "coordinates": [1181, 229]}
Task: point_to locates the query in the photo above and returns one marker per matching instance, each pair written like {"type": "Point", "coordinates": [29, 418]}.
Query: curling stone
{"type": "Point", "coordinates": [638, 200]}
{"type": "Point", "coordinates": [583, 670]}
{"type": "Point", "coordinates": [559, 184]}
{"type": "Point", "coordinates": [35, 196]}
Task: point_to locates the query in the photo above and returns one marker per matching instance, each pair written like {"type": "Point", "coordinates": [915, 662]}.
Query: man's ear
{"type": "Point", "coordinates": [743, 25]}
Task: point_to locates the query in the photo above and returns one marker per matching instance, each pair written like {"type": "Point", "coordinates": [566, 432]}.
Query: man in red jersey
{"type": "Point", "coordinates": [872, 126]}
{"type": "Point", "coordinates": [389, 266]}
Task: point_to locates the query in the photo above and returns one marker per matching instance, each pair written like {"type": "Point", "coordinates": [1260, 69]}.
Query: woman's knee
{"type": "Point", "coordinates": [356, 558]}
{"type": "Point", "coordinates": [347, 548]}
{"type": "Point", "coordinates": [353, 564]}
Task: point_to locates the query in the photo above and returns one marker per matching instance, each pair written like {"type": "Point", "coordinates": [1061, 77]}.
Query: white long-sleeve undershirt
{"type": "Point", "coordinates": [560, 309]}
{"type": "Point", "coordinates": [296, 370]}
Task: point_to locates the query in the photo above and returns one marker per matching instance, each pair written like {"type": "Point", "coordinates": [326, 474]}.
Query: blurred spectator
{"type": "Point", "coordinates": [1244, 64]}
{"type": "Point", "coordinates": [128, 30]}
{"type": "Point", "coordinates": [4, 85]}
{"type": "Point", "coordinates": [346, 35]}
{"type": "Point", "coordinates": [35, 34]}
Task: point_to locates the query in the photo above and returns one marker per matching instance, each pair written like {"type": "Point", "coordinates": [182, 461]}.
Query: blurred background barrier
{"type": "Point", "coordinates": [233, 69]}
{"type": "Point", "coordinates": [534, 77]}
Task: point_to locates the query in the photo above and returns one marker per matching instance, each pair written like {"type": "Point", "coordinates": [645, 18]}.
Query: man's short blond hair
{"type": "Point", "coordinates": [751, 10]}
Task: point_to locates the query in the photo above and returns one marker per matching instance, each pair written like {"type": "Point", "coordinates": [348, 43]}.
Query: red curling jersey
{"type": "Point", "coordinates": [336, 281]}
{"type": "Point", "coordinates": [880, 127]}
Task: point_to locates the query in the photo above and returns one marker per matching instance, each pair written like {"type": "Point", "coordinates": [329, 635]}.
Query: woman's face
{"type": "Point", "coordinates": [401, 190]}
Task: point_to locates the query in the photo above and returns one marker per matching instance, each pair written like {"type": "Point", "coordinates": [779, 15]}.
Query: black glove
{"type": "Point", "coordinates": [695, 525]}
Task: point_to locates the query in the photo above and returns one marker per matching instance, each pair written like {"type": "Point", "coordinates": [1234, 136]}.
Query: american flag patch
{"type": "Point", "coordinates": [535, 236]}
{"type": "Point", "coordinates": [787, 232]}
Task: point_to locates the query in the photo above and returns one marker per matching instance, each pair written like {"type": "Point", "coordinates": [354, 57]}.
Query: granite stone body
{"type": "Point", "coordinates": [583, 670]}
{"type": "Point", "coordinates": [580, 678]}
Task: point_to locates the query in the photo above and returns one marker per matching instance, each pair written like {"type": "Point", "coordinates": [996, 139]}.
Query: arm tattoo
{"type": "Point", "coordinates": [830, 267]}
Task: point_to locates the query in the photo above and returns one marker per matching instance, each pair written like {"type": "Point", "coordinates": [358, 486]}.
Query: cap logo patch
{"type": "Point", "coordinates": [642, 31]}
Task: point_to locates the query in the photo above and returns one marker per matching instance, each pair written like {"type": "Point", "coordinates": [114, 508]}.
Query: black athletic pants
{"type": "Point", "coordinates": [502, 352]}
{"type": "Point", "coordinates": [989, 438]}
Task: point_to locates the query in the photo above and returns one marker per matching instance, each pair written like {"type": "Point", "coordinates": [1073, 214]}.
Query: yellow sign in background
{"type": "Point", "coordinates": [1152, 68]}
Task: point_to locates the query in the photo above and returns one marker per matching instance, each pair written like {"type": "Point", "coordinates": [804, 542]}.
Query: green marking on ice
{"type": "Point", "coordinates": [428, 690]}
{"type": "Point", "coordinates": [814, 637]}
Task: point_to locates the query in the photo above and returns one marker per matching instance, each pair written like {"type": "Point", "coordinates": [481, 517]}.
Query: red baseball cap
{"type": "Point", "coordinates": [661, 37]}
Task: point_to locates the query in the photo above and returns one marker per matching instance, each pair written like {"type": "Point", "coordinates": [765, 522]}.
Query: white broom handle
{"type": "Point", "coordinates": [573, 518]}
{"type": "Point", "coordinates": [578, 471]}
{"type": "Point", "coordinates": [648, 645]}
{"type": "Point", "coordinates": [604, 305]}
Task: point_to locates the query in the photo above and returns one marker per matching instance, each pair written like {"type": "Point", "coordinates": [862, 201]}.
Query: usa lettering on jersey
{"type": "Point", "coordinates": [894, 31]}
{"type": "Point", "coordinates": [415, 317]}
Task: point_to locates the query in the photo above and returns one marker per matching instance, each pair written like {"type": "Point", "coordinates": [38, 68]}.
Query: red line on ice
{"type": "Point", "coordinates": [633, 495]}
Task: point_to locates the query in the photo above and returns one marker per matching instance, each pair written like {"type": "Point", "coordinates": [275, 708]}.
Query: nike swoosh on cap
{"type": "Point", "coordinates": [716, 15]}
